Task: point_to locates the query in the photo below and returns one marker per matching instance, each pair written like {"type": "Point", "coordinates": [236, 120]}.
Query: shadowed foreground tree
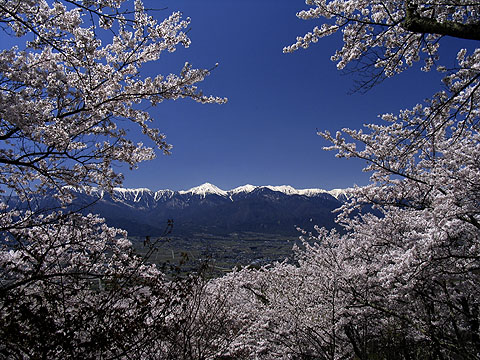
{"type": "Point", "coordinates": [404, 284]}
{"type": "Point", "coordinates": [71, 287]}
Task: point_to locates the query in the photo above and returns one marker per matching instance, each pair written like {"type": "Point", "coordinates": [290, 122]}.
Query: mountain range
{"type": "Point", "coordinates": [208, 209]}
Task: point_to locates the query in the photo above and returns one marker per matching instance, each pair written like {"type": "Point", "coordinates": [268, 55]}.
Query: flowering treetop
{"type": "Point", "coordinates": [384, 38]}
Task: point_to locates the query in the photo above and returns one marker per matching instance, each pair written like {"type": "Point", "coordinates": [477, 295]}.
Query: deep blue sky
{"type": "Point", "coordinates": [266, 133]}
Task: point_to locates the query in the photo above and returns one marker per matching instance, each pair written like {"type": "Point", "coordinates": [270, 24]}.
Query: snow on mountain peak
{"type": "Point", "coordinates": [337, 193]}
{"type": "Point", "coordinates": [135, 191]}
{"type": "Point", "coordinates": [204, 189]}
{"type": "Point", "coordinates": [135, 195]}
{"type": "Point", "coordinates": [286, 189]}
{"type": "Point", "coordinates": [312, 192]}
{"type": "Point", "coordinates": [207, 188]}
{"type": "Point", "coordinates": [243, 189]}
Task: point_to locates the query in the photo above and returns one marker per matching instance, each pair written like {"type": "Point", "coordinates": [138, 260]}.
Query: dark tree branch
{"type": "Point", "coordinates": [415, 23]}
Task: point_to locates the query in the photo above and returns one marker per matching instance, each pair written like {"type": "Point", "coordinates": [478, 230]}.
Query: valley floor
{"type": "Point", "coordinates": [223, 252]}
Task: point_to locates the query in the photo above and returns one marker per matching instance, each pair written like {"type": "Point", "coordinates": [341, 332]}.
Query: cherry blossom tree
{"type": "Point", "coordinates": [74, 289]}
{"type": "Point", "coordinates": [383, 38]}
{"type": "Point", "coordinates": [415, 265]}
{"type": "Point", "coordinates": [287, 310]}
{"type": "Point", "coordinates": [401, 282]}
{"type": "Point", "coordinates": [70, 90]}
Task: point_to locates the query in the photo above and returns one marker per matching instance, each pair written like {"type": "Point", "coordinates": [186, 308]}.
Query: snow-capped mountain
{"type": "Point", "coordinates": [208, 188]}
{"type": "Point", "coordinates": [207, 208]}
{"type": "Point", "coordinates": [204, 189]}
{"type": "Point", "coordinates": [144, 195]}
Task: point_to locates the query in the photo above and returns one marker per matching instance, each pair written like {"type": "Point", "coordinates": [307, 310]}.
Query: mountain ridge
{"type": "Point", "coordinates": [210, 189]}
{"type": "Point", "coordinates": [209, 209]}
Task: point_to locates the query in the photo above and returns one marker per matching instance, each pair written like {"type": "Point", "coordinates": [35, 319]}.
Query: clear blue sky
{"type": "Point", "coordinates": [266, 133]}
